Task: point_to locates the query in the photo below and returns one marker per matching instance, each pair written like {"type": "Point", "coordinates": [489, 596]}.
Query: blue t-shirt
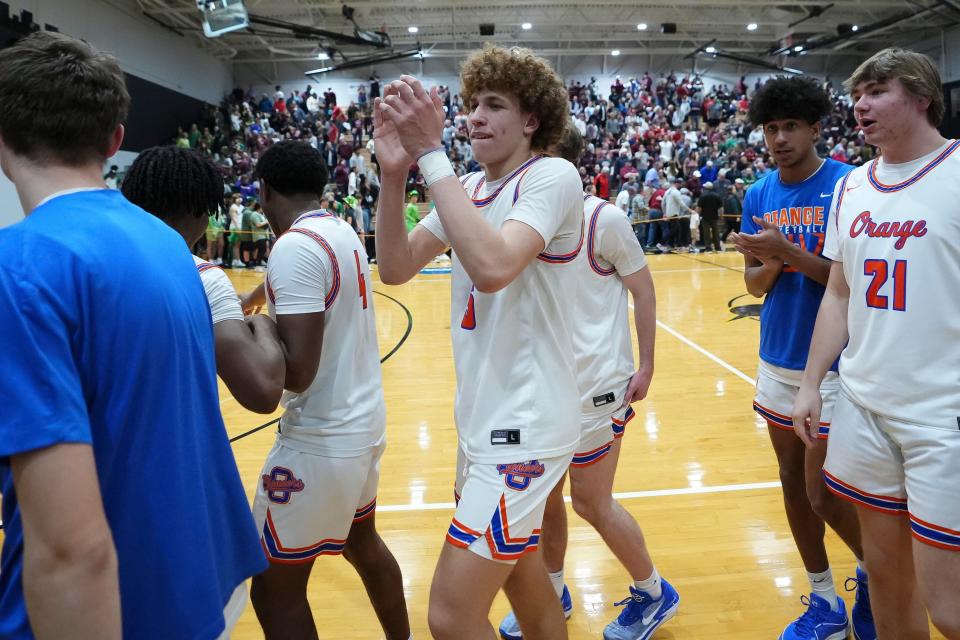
{"type": "Point", "coordinates": [107, 339]}
{"type": "Point", "coordinates": [800, 210]}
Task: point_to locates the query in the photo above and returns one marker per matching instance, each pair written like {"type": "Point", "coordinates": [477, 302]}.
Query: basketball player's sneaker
{"type": "Point", "coordinates": [643, 615]}
{"type": "Point", "coordinates": [861, 616]}
{"type": "Point", "coordinates": [818, 622]}
{"type": "Point", "coordinates": [510, 630]}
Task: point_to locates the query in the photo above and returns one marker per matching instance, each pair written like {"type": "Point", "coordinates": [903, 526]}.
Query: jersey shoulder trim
{"type": "Point", "coordinates": [335, 286]}
{"type": "Point", "coordinates": [927, 168]}
{"type": "Point", "coordinates": [591, 238]}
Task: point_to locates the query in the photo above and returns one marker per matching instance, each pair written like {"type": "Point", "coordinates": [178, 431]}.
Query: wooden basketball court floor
{"type": "Point", "coordinates": [697, 470]}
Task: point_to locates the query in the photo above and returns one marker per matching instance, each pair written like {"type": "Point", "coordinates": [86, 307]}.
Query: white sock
{"type": "Point", "coordinates": [651, 585]}
{"type": "Point", "coordinates": [822, 585]}
{"type": "Point", "coordinates": [556, 579]}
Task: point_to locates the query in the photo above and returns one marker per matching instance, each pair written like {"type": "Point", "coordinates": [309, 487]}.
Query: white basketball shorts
{"type": "Point", "coordinates": [306, 503]}
{"type": "Point", "coordinates": [500, 506]}
{"type": "Point", "coordinates": [898, 468]}
{"type": "Point", "coordinates": [597, 436]}
{"type": "Point", "coordinates": [777, 390]}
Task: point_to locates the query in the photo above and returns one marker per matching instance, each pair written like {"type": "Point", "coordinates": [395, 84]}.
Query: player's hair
{"type": "Point", "coordinates": [174, 183]}
{"type": "Point", "coordinates": [538, 89]}
{"type": "Point", "coordinates": [570, 145]}
{"type": "Point", "coordinates": [60, 99]}
{"type": "Point", "coordinates": [291, 167]}
{"type": "Point", "coordinates": [916, 72]}
{"type": "Point", "coordinates": [799, 97]}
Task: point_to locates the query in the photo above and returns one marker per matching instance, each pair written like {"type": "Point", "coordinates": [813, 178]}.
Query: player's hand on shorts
{"type": "Point", "coordinates": [416, 114]}
{"type": "Point", "coordinates": [806, 414]}
{"type": "Point", "coordinates": [638, 387]}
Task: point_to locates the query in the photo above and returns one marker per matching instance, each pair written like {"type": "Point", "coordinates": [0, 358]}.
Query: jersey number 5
{"type": "Point", "coordinates": [879, 269]}
{"type": "Point", "coordinates": [361, 281]}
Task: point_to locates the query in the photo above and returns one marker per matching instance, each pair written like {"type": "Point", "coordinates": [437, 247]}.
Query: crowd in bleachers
{"type": "Point", "coordinates": [654, 145]}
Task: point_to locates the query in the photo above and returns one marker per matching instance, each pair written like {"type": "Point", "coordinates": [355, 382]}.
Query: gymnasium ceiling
{"type": "Point", "coordinates": [446, 28]}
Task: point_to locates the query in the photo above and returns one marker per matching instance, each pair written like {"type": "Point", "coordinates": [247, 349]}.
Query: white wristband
{"type": "Point", "coordinates": [435, 165]}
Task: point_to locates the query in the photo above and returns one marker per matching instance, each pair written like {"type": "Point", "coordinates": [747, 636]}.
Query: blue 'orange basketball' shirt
{"type": "Point", "coordinates": [801, 211]}
{"type": "Point", "coordinates": [107, 340]}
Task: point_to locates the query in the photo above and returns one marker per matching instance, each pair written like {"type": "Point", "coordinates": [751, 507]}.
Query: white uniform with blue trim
{"type": "Point", "coordinates": [221, 296]}
{"type": "Point", "coordinates": [323, 470]}
{"type": "Point", "coordinates": [517, 405]}
{"type": "Point", "coordinates": [895, 440]}
{"type": "Point", "coordinates": [601, 336]}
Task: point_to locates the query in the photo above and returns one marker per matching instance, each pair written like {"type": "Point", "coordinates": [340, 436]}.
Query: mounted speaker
{"type": "Point", "coordinates": [487, 29]}
{"type": "Point", "coordinates": [668, 27]}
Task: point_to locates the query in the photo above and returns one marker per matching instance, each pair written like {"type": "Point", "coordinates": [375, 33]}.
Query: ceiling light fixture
{"type": "Point", "coordinates": [526, 26]}
{"type": "Point", "coordinates": [642, 26]}
{"type": "Point", "coordinates": [413, 29]}
{"type": "Point", "coordinates": [615, 52]}
{"type": "Point", "coordinates": [752, 26]}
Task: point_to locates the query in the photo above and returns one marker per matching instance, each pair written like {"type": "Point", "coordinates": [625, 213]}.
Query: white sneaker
{"type": "Point", "coordinates": [259, 269]}
{"type": "Point", "coordinates": [236, 264]}
{"type": "Point", "coordinates": [217, 262]}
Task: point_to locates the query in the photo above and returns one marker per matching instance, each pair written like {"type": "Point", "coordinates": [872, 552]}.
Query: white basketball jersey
{"type": "Point", "coordinates": [897, 233]}
{"type": "Point", "coordinates": [319, 264]}
{"type": "Point", "coordinates": [601, 338]}
{"type": "Point", "coordinates": [517, 396]}
{"type": "Point", "coordinates": [221, 296]}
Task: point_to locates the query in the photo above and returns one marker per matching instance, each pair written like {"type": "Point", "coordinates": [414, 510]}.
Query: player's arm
{"type": "Point", "coordinates": [251, 362]}
{"type": "Point", "coordinates": [759, 275]}
{"type": "Point", "coordinates": [830, 335]}
{"type": "Point", "coordinates": [70, 580]}
{"type": "Point", "coordinates": [301, 335]}
{"type": "Point", "coordinates": [769, 242]}
{"type": "Point", "coordinates": [491, 257]}
{"type": "Point", "coordinates": [640, 285]}
{"type": "Point", "coordinates": [400, 255]}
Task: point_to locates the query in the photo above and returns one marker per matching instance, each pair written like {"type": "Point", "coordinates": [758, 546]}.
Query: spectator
{"type": "Point", "coordinates": [710, 207]}
{"type": "Point", "coordinates": [411, 212]}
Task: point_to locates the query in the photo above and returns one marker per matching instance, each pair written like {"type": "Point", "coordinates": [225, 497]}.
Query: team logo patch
{"type": "Point", "coordinates": [280, 484]}
{"type": "Point", "coordinates": [518, 475]}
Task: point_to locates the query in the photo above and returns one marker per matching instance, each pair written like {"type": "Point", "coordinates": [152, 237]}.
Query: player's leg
{"type": "Point", "coordinates": [534, 600]}
{"type": "Point", "coordinates": [897, 608]}
{"type": "Point", "coordinates": [931, 459]}
{"type": "Point", "coordinates": [652, 601]}
{"type": "Point", "coordinates": [553, 545]}
{"type": "Point", "coordinates": [299, 518]}
{"type": "Point", "coordinates": [839, 514]}
{"type": "Point", "coordinates": [591, 490]}
{"type": "Point", "coordinates": [825, 610]}
{"type": "Point", "coordinates": [553, 540]}
{"type": "Point", "coordinates": [380, 573]}
{"type": "Point", "coordinates": [375, 565]}
{"type": "Point", "coordinates": [864, 465]}
{"type": "Point", "coordinates": [497, 523]}
{"type": "Point", "coordinates": [937, 571]}
{"type": "Point", "coordinates": [463, 588]}
{"type": "Point", "coordinates": [279, 597]}
{"type": "Point", "coordinates": [805, 525]}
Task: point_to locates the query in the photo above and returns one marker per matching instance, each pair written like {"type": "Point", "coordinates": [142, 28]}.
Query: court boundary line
{"type": "Point", "coordinates": [627, 495]}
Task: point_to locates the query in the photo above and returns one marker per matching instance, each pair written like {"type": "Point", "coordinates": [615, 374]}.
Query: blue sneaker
{"type": "Point", "coordinates": [643, 615]}
{"type": "Point", "coordinates": [861, 616]}
{"type": "Point", "coordinates": [510, 630]}
{"type": "Point", "coordinates": [818, 622]}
